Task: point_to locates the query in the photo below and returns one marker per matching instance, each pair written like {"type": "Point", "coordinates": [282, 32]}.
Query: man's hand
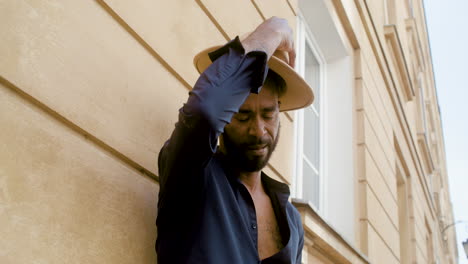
{"type": "Point", "coordinates": [273, 34]}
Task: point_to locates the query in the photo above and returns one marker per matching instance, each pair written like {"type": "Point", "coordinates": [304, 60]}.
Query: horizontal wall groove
{"type": "Point", "coordinates": [382, 148]}
{"type": "Point", "coordinates": [383, 207]}
{"type": "Point", "coordinates": [373, 106]}
{"type": "Point", "coordinates": [384, 68]}
{"type": "Point", "coordinates": [143, 43]}
{"type": "Point", "coordinates": [292, 8]}
{"type": "Point", "coordinates": [258, 9]}
{"type": "Point", "coordinates": [382, 176]}
{"type": "Point", "coordinates": [383, 240]}
{"type": "Point", "coordinates": [213, 20]}
{"type": "Point", "coordinates": [77, 129]}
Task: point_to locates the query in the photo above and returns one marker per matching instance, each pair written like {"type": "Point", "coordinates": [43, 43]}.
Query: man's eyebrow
{"type": "Point", "coordinates": [270, 108]}
{"type": "Point", "coordinates": [264, 109]}
{"type": "Point", "coordinates": [245, 111]}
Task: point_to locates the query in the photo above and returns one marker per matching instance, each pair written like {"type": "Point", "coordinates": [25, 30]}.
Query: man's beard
{"type": "Point", "coordinates": [238, 153]}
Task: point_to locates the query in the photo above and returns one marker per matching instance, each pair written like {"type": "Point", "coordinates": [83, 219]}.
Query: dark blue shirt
{"type": "Point", "coordinates": [205, 214]}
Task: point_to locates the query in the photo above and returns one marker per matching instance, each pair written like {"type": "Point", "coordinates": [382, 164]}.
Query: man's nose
{"type": "Point", "coordinates": [257, 128]}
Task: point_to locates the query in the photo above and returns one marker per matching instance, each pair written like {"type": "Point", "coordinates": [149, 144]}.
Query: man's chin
{"type": "Point", "coordinates": [248, 158]}
{"type": "Point", "coordinates": [255, 162]}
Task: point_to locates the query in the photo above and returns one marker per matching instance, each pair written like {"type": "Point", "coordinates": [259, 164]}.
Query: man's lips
{"type": "Point", "coordinates": [257, 149]}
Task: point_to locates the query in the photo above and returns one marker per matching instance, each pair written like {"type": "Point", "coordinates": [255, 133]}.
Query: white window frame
{"type": "Point", "coordinates": [337, 197]}
{"type": "Point", "coordinates": [304, 35]}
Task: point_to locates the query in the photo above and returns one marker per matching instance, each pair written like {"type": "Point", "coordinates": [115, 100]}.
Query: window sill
{"type": "Point", "coordinates": [324, 238]}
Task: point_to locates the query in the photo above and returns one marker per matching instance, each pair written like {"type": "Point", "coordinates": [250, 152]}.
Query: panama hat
{"type": "Point", "coordinates": [298, 93]}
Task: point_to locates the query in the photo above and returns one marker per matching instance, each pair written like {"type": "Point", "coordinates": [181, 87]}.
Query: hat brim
{"type": "Point", "coordinates": [298, 93]}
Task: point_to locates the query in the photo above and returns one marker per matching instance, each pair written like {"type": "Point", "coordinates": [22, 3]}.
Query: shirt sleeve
{"type": "Point", "coordinates": [299, 250]}
{"type": "Point", "coordinates": [218, 93]}
{"type": "Point", "coordinates": [301, 238]}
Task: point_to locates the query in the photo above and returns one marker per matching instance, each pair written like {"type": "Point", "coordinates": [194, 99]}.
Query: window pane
{"type": "Point", "coordinates": [311, 137]}
{"type": "Point", "coordinates": [311, 140]}
{"type": "Point", "coordinates": [312, 74]}
{"type": "Point", "coordinates": [310, 185]}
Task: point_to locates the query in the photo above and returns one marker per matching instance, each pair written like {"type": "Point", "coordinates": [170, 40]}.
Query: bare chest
{"type": "Point", "coordinates": [269, 236]}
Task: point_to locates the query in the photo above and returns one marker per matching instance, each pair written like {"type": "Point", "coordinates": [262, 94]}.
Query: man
{"type": "Point", "coordinates": [215, 205]}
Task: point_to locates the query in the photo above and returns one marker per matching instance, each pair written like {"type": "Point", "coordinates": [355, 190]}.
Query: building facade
{"type": "Point", "coordinates": [90, 90]}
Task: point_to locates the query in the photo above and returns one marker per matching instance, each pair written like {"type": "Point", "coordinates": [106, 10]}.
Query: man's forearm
{"type": "Point", "coordinates": [217, 95]}
{"type": "Point", "coordinates": [224, 86]}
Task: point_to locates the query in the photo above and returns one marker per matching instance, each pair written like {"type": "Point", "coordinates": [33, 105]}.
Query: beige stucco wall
{"type": "Point", "coordinates": [392, 148]}
{"type": "Point", "coordinates": [89, 91]}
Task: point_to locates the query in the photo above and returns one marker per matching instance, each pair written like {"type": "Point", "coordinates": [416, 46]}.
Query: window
{"type": "Point", "coordinates": [390, 12]}
{"type": "Point", "coordinates": [429, 245]}
{"type": "Point", "coordinates": [403, 217]}
{"type": "Point", "coordinates": [311, 136]}
{"type": "Point", "coordinates": [324, 171]}
{"type": "Point", "coordinates": [409, 6]}
{"type": "Point", "coordinates": [423, 129]}
{"type": "Point", "coordinates": [309, 121]}
{"type": "Point", "coordinates": [422, 104]}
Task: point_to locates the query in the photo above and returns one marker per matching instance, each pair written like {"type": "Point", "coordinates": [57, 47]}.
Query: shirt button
{"type": "Point", "coordinates": [254, 226]}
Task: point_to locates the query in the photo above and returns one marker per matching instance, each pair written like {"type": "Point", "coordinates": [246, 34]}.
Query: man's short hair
{"type": "Point", "coordinates": [276, 83]}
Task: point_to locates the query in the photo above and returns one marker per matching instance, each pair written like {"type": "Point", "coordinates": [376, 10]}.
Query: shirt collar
{"type": "Point", "coordinates": [274, 185]}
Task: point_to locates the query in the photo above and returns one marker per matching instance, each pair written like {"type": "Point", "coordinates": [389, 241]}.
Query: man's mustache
{"type": "Point", "coordinates": [257, 142]}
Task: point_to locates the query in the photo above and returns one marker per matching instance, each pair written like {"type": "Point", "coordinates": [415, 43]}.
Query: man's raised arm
{"type": "Point", "coordinates": [238, 69]}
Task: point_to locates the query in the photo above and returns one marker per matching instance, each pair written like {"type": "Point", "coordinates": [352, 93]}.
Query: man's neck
{"type": "Point", "coordinates": [252, 181]}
